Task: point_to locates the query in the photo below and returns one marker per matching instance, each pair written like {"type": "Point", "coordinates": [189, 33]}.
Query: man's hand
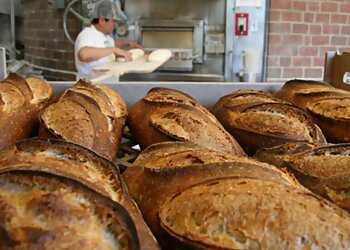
{"type": "Point", "coordinates": [124, 53]}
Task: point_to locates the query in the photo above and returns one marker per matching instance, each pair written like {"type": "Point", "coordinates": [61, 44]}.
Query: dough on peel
{"type": "Point", "coordinates": [159, 55]}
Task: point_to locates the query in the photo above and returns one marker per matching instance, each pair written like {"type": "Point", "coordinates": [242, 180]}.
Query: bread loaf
{"type": "Point", "coordinates": [90, 115]}
{"type": "Point", "coordinates": [325, 169]}
{"type": "Point", "coordinates": [20, 102]}
{"type": "Point", "coordinates": [80, 164]}
{"type": "Point", "coordinates": [44, 211]}
{"type": "Point", "coordinates": [258, 120]}
{"type": "Point", "coordinates": [160, 172]}
{"type": "Point", "coordinates": [168, 115]}
{"type": "Point", "coordinates": [253, 214]}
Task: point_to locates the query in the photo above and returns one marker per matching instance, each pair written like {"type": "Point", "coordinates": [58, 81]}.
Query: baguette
{"type": "Point", "coordinates": [170, 115]}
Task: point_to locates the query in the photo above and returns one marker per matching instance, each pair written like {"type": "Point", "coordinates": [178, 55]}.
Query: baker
{"type": "Point", "coordinates": [95, 45]}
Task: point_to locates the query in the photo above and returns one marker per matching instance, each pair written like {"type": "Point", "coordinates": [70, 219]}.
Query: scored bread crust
{"type": "Point", "coordinates": [168, 115]}
{"type": "Point", "coordinates": [44, 211]}
{"type": "Point", "coordinates": [265, 124]}
{"type": "Point", "coordinates": [20, 103]}
{"type": "Point", "coordinates": [89, 115]}
{"type": "Point", "coordinates": [149, 184]}
{"type": "Point", "coordinates": [80, 164]}
{"type": "Point", "coordinates": [253, 214]}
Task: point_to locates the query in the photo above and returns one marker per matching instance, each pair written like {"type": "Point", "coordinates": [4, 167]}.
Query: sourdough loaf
{"type": "Point", "coordinates": [160, 172]}
{"type": "Point", "coordinates": [325, 169]}
{"type": "Point", "coordinates": [259, 120]}
{"type": "Point", "coordinates": [20, 102]}
{"type": "Point", "coordinates": [253, 214]}
{"type": "Point", "coordinates": [90, 115]}
{"type": "Point", "coordinates": [72, 161]}
{"type": "Point", "coordinates": [168, 115]}
{"type": "Point", "coordinates": [44, 211]}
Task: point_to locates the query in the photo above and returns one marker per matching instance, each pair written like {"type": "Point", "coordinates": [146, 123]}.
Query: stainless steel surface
{"type": "Point", "coordinates": [13, 38]}
{"type": "Point", "coordinates": [207, 93]}
{"type": "Point", "coordinates": [3, 68]}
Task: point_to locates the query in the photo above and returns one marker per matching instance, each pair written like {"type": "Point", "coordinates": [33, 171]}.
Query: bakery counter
{"type": "Point", "coordinates": [207, 93]}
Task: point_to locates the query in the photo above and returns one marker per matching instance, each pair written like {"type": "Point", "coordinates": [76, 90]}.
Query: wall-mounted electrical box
{"type": "Point", "coordinates": [242, 24]}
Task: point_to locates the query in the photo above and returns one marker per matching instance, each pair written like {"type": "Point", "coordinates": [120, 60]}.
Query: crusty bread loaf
{"type": "Point", "coordinates": [324, 169]}
{"type": "Point", "coordinates": [20, 102]}
{"type": "Point", "coordinates": [168, 115]}
{"type": "Point", "coordinates": [75, 162]}
{"type": "Point", "coordinates": [44, 211]}
{"type": "Point", "coordinates": [253, 214]}
{"type": "Point", "coordinates": [258, 120]}
{"type": "Point", "coordinates": [332, 114]}
{"type": "Point", "coordinates": [159, 172]}
{"type": "Point", "coordinates": [90, 115]}
{"type": "Point", "coordinates": [329, 106]}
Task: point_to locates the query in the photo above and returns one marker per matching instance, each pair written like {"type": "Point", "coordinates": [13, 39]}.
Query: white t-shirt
{"type": "Point", "coordinates": [91, 37]}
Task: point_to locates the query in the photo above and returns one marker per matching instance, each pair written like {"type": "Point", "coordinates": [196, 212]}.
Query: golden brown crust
{"type": "Point", "coordinates": [19, 107]}
{"type": "Point", "coordinates": [151, 184]}
{"type": "Point", "coordinates": [89, 115]}
{"type": "Point", "coordinates": [251, 214]}
{"type": "Point", "coordinates": [49, 212]}
{"type": "Point", "coordinates": [264, 123]}
{"type": "Point", "coordinates": [168, 115]}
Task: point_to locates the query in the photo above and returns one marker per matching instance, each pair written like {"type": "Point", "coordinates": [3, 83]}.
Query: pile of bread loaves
{"type": "Point", "coordinates": [260, 171]}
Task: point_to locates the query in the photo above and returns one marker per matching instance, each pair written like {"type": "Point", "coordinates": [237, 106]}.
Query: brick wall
{"type": "Point", "coordinates": [300, 32]}
{"type": "Point", "coordinates": [44, 39]}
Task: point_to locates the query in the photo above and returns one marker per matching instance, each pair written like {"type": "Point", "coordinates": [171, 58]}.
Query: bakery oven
{"type": "Point", "coordinates": [183, 38]}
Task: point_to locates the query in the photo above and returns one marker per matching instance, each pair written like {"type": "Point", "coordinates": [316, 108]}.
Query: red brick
{"type": "Point", "coordinates": [286, 61]}
{"type": "Point", "coordinates": [329, 7]}
{"type": "Point", "coordinates": [300, 28]}
{"type": "Point", "coordinates": [344, 7]}
{"type": "Point", "coordinates": [274, 72]}
{"type": "Point", "coordinates": [292, 73]}
{"type": "Point", "coordinates": [330, 29]}
{"type": "Point", "coordinates": [318, 61]}
{"type": "Point", "coordinates": [313, 6]}
{"type": "Point", "coordinates": [299, 6]}
{"type": "Point", "coordinates": [275, 39]}
{"type": "Point", "coordinates": [275, 15]}
{"type": "Point", "coordinates": [293, 39]}
{"type": "Point", "coordinates": [280, 28]}
{"type": "Point", "coordinates": [315, 29]}
{"type": "Point", "coordinates": [308, 51]}
{"type": "Point", "coordinates": [309, 17]}
{"type": "Point", "coordinates": [273, 61]}
{"type": "Point", "coordinates": [322, 18]}
{"type": "Point", "coordinates": [301, 61]}
{"type": "Point", "coordinates": [338, 40]}
{"type": "Point", "coordinates": [337, 18]}
{"type": "Point", "coordinates": [292, 16]}
{"type": "Point", "coordinates": [281, 4]}
{"type": "Point", "coordinates": [320, 40]}
{"type": "Point", "coordinates": [345, 30]}
{"type": "Point", "coordinates": [314, 73]}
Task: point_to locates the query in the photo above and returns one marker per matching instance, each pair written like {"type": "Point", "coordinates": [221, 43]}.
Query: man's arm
{"type": "Point", "coordinates": [120, 43]}
{"type": "Point", "coordinates": [89, 54]}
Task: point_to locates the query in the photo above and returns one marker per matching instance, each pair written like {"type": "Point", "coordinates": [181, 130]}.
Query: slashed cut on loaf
{"type": "Point", "coordinates": [51, 212]}
{"type": "Point", "coordinates": [253, 214]}
{"type": "Point", "coordinates": [257, 120]}
{"type": "Point", "coordinates": [324, 169]}
{"type": "Point", "coordinates": [75, 162]}
{"type": "Point", "coordinates": [90, 115]}
{"type": "Point", "coordinates": [20, 102]}
{"type": "Point", "coordinates": [171, 115]}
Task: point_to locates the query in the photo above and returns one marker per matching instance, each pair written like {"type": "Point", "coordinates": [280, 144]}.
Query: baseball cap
{"type": "Point", "coordinates": [108, 9]}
